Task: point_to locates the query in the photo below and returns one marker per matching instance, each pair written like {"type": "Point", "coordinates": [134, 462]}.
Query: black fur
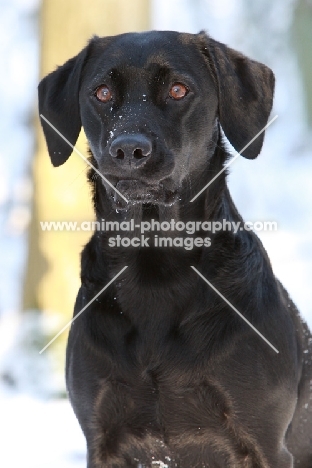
{"type": "Point", "coordinates": [160, 370]}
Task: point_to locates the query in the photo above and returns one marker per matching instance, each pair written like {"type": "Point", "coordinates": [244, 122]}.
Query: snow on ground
{"type": "Point", "coordinates": [38, 428]}
{"type": "Point", "coordinates": [39, 433]}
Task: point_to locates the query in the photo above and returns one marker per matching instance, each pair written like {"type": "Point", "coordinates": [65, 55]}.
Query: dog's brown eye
{"type": "Point", "coordinates": [103, 93]}
{"type": "Point", "coordinates": [178, 91]}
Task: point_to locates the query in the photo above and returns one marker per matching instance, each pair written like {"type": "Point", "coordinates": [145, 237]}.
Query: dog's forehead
{"type": "Point", "coordinates": [141, 50]}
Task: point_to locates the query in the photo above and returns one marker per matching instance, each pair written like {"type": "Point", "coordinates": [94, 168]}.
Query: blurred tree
{"type": "Point", "coordinates": [52, 277]}
{"type": "Point", "coordinates": [302, 30]}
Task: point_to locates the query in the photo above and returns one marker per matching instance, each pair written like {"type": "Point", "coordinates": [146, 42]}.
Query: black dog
{"type": "Point", "coordinates": [161, 371]}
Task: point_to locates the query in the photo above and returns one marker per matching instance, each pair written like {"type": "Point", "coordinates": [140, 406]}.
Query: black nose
{"type": "Point", "coordinates": [133, 149]}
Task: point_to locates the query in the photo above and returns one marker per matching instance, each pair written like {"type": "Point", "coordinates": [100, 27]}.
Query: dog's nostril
{"type": "Point", "coordinates": [138, 154]}
{"type": "Point", "coordinates": [120, 154]}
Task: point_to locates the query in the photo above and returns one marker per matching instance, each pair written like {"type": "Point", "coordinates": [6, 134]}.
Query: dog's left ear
{"type": "Point", "coordinates": [245, 91]}
{"type": "Point", "coordinates": [59, 104]}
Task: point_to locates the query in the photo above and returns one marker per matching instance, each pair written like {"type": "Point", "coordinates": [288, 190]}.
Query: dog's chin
{"type": "Point", "coordinates": [138, 193]}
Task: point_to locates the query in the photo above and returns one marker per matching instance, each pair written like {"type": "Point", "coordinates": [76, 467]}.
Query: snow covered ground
{"type": "Point", "coordinates": [39, 433]}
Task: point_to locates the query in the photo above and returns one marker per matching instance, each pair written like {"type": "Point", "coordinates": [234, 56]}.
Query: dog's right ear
{"type": "Point", "coordinates": [59, 105]}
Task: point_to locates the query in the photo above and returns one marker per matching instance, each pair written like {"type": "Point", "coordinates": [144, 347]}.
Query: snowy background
{"type": "Point", "coordinates": [37, 429]}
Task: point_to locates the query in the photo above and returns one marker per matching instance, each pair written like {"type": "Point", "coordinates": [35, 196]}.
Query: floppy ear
{"type": "Point", "coordinates": [59, 104]}
{"type": "Point", "coordinates": [245, 89]}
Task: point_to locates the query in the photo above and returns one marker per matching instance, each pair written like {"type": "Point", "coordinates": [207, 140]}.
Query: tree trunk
{"type": "Point", "coordinates": [52, 277]}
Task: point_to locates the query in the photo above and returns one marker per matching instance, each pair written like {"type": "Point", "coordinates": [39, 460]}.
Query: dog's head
{"type": "Point", "coordinates": [150, 104]}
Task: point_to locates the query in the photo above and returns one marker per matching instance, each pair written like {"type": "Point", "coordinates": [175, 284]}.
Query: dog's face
{"type": "Point", "coordinates": [150, 104]}
{"type": "Point", "coordinates": [148, 112]}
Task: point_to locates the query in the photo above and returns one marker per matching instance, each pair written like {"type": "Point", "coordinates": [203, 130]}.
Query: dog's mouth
{"type": "Point", "coordinates": [137, 192]}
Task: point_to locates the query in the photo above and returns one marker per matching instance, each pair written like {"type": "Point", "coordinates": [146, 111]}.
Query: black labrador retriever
{"type": "Point", "coordinates": [161, 369]}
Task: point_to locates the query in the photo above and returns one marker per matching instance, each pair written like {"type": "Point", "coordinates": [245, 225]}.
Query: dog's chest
{"type": "Point", "coordinates": [161, 374]}
{"type": "Point", "coordinates": [155, 384]}
{"type": "Point", "coordinates": [164, 386]}
{"type": "Point", "coordinates": [161, 414]}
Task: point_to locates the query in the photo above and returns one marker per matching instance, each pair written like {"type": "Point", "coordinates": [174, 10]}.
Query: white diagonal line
{"type": "Point", "coordinates": [235, 310]}
{"type": "Point", "coordinates": [82, 156]}
{"type": "Point", "coordinates": [82, 310]}
{"type": "Point", "coordinates": [235, 157]}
